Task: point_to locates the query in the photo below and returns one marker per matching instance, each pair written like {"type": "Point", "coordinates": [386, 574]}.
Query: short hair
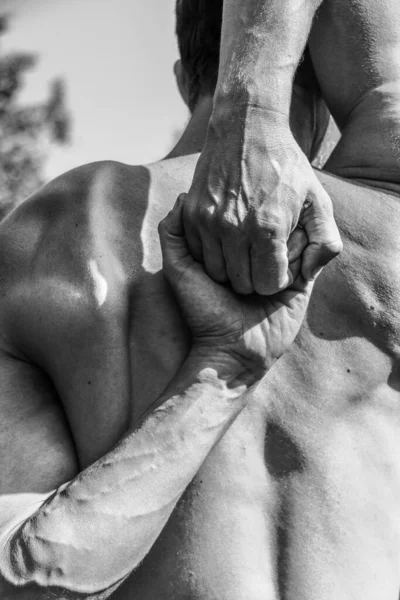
{"type": "Point", "coordinates": [198, 29]}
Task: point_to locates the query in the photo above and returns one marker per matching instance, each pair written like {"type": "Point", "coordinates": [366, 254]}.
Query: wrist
{"type": "Point", "coordinates": [204, 374]}
{"type": "Point", "coordinates": [270, 94]}
{"type": "Point", "coordinates": [250, 130]}
{"type": "Point", "coordinates": [220, 366]}
{"type": "Point", "coordinates": [238, 111]}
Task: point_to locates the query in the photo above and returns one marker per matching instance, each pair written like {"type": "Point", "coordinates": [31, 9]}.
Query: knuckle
{"type": "Point", "coordinates": [270, 224]}
{"type": "Point", "coordinates": [201, 217]}
{"type": "Point", "coordinates": [189, 214]}
{"type": "Point", "coordinates": [228, 222]}
{"type": "Point", "coordinates": [316, 200]}
{"type": "Point", "coordinates": [190, 217]}
{"type": "Point", "coordinates": [330, 249]}
{"type": "Point", "coordinates": [335, 248]}
{"type": "Point", "coordinates": [307, 204]}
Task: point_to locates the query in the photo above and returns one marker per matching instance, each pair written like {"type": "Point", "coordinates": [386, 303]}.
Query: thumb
{"type": "Point", "coordinates": [175, 252]}
{"type": "Point", "coordinates": [324, 241]}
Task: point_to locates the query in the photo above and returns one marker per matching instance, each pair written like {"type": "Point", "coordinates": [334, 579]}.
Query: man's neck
{"type": "Point", "coordinates": [194, 136]}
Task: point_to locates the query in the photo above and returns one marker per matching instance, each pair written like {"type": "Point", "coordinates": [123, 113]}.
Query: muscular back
{"type": "Point", "coordinates": [302, 491]}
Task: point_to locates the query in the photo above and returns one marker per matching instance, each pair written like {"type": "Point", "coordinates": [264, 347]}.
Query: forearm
{"type": "Point", "coordinates": [261, 46]}
{"type": "Point", "coordinates": [93, 531]}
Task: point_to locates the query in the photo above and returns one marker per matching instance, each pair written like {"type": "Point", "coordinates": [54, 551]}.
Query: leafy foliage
{"type": "Point", "coordinates": [25, 131]}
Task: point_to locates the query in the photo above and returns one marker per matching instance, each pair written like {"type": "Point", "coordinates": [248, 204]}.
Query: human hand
{"type": "Point", "coordinates": [252, 330]}
{"type": "Point", "coordinates": [252, 187]}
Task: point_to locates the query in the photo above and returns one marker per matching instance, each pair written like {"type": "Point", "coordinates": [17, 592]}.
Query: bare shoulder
{"type": "Point", "coordinates": [54, 245]}
{"type": "Point", "coordinates": [366, 276]}
{"type": "Point", "coordinates": [69, 257]}
{"type": "Point", "coordinates": [368, 215]}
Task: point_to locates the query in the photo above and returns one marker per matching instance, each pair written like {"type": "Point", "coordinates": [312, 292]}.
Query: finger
{"type": "Point", "coordinates": [191, 232]}
{"type": "Point", "coordinates": [213, 258]}
{"type": "Point", "coordinates": [270, 271]}
{"type": "Point", "coordinates": [324, 242]}
{"type": "Point", "coordinates": [175, 252]}
{"type": "Point", "coordinates": [236, 251]}
{"type": "Point", "coordinates": [172, 224]}
{"type": "Point", "coordinates": [297, 297]}
{"type": "Point", "coordinates": [296, 244]}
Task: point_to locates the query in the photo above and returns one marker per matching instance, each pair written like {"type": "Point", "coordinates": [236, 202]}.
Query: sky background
{"type": "Point", "coordinates": [116, 57]}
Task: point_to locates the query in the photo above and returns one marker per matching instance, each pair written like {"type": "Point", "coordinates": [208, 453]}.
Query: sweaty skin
{"type": "Point", "coordinates": [299, 498]}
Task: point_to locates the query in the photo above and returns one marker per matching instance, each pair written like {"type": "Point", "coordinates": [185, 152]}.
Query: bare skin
{"type": "Point", "coordinates": [364, 94]}
{"type": "Point", "coordinates": [306, 475]}
{"type": "Point", "coordinates": [253, 184]}
{"type": "Point", "coordinates": [125, 498]}
{"type": "Point", "coordinates": [299, 497]}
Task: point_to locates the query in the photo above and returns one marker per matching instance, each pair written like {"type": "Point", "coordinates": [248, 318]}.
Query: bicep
{"type": "Point", "coordinates": [90, 370]}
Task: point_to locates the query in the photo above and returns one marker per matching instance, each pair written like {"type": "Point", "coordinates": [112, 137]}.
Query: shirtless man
{"type": "Point", "coordinates": [295, 498]}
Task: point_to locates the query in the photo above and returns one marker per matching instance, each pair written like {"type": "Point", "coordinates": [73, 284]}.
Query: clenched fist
{"type": "Point", "coordinates": [252, 187]}
{"type": "Point", "coordinates": [251, 331]}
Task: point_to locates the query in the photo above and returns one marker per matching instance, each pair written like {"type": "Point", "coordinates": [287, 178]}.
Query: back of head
{"type": "Point", "coordinates": [198, 29]}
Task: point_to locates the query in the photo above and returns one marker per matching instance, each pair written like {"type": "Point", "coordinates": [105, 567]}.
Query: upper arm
{"type": "Point", "coordinates": [64, 363]}
{"type": "Point", "coordinates": [36, 451]}
{"type": "Point", "coordinates": [50, 317]}
{"type": "Point", "coordinates": [87, 357]}
{"type": "Point", "coordinates": [348, 69]}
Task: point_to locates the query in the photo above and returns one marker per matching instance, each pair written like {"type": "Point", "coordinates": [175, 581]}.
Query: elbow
{"type": "Point", "coordinates": [35, 567]}
{"type": "Point", "coordinates": [31, 568]}
{"type": "Point", "coordinates": [28, 562]}
{"type": "Point", "coordinates": [24, 576]}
